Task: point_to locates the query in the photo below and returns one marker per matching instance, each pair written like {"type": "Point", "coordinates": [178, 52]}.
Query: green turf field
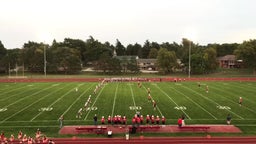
{"type": "Point", "coordinates": [28, 106]}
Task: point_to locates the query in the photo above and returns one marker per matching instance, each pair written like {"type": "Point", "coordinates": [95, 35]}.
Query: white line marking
{"type": "Point", "coordinates": [30, 104]}
{"type": "Point", "coordinates": [77, 100]}
{"type": "Point", "coordinates": [94, 102]}
{"type": "Point", "coordinates": [207, 98]}
{"type": "Point", "coordinates": [173, 101]}
{"type": "Point", "coordinates": [194, 102]}
{"type": "Point", "coordinates": [53, 102]}
{"type": "Point", "coordinates": [114, 103]}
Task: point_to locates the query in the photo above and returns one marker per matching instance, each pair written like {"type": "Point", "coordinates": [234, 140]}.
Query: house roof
{"type": "Point", "coordinates": [126, 57]}
{"type": "Point", "coordinates": [227, 57]}
{"type": "Point", "coordinates": [147, 60]}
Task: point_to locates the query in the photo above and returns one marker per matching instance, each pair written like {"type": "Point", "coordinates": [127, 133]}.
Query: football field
{"type": "Point", "coordinates": [29, 106]}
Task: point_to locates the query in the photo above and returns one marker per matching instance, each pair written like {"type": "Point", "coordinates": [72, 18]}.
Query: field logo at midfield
{"type": "Point", "coordinates": [180, 108]}
{"type": "Point", "coordinates": [223, 107]}
{"type": "Point", "coordinates": [91, 108]}
{"type": "Point", "coordinates": [3, 109]}
{"type": "Point", "coordinates": [45, 109]}
{"type": "Point", "coordinates": [135, 107]}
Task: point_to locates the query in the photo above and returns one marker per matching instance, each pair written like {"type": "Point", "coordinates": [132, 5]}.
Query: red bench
{"type": "Point", "coordinates": [147, 127]}
{"type": "Point", "coordinates": [195, 128]}
{"type": "Point", "coordinates": [96, 129]}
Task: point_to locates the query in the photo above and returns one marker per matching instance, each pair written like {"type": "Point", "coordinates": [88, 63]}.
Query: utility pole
{"type": "Point", "coordinates": [44, 61]}
{"type": "Point", "coordinates": [189, 53]}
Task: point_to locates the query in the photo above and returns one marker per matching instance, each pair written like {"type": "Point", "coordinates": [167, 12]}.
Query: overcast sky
{"type": "Point", "coordinates": [130, 21]}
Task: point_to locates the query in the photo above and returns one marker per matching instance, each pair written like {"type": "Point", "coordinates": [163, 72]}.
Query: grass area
{"type": "Point", "coordinates": [28, 106]}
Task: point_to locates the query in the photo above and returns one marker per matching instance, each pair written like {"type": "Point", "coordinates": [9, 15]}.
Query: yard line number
{"type": "Point", "coordinates": [3, 109]}
{"type": "Point", "coordinates": [135, 107]}
{"type": "Point", "coordinates": [223, 107]}
{"type": "Point", "coordinates": [180, 108]}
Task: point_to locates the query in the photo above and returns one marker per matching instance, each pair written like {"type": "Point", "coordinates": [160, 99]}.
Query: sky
{"type": "Point", "coordinates": [129, 21]}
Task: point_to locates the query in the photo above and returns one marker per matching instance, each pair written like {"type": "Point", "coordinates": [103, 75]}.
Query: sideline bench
{"type": "Point", "coordinates": [96, 129]}
{"type": "Point", "coordinates": [147, 127]}
{"type": "Point", "coordinates": [195, 128]}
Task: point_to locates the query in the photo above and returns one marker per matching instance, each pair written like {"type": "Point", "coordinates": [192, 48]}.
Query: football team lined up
{"type": "Point", "coordinates": [23, 138]}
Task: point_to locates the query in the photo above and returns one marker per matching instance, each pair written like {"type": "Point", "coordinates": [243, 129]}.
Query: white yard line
{"type": "Point", "coordinates": [54, 102]}
{"type": "Point", "coordinates": [29, 104]}
{"type": "Point", "coordinates": [114, 103]}
{"type": "Point", "coordinates": [8, 97]}
{"type": "Point", "coordinates": [28, 96]}
{"type": "Point", "coordinates": [132, 96]}
{"type": "Point", "coordinates": [194, 103]}
{"type": "Point", "coordinates": [249, 90]}
{"type": "Point", "coordinates": [172, 101]}
{"type": "Point", "coordinates": [76, 100]}
{"type": "Point", "coordinates": [10, 91]}
{"type": "Point", "coordinates": [94, 102]}
{"type": "Point", "coordinates": [207, 98]}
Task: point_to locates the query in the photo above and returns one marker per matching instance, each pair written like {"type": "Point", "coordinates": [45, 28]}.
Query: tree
{"type": "Point", "coordinates": [210, 59]}
{"type": "Point", "coordinates": [166, 60]}
{"type": "Point", "coordinates": [120, 49]}
{"type": "Point", "coordinates": [3, 53]}
{"type": "Point", "coordinates": [34, 56]}
{"type": "Point", "coordinates": [197, 63]}
{"type": "Point", "coordinates": [65, 60]}
{"type": "Point", "coordinates": [152, 53]}
{"type": "Point", "coordinates": [134, 49]}
{"type": "Point", "coordinates": [247, 52]}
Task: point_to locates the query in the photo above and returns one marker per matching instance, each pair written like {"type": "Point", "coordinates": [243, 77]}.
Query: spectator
{"type": "Point", "coordinates": [95, 119]}
{"type": "Point", "coordinates": [228, 119]}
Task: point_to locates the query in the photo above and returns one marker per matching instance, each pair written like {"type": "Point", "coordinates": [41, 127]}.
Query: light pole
{"type": "Point", "coordinates": [44, 62]}
{"type": "Point", "coordinates": [189, 53]}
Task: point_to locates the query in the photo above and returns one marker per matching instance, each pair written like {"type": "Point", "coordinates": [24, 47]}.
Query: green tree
{"type": "Point", "coordinates": [247, 52]}
{"type": "Point", "coordinates": [33, 54]}
{"type": "Point", "coordinates": [3, 54]}
{"type": "Point", "coordinates": [66, 60]}
{"type": "Point", "coordinates": [120, 49]}
{"type": "Point", "coordinates": [166, 60]}
{"type": "Point", "coordinates": [197, 63]}
{"type": "Point", "coordinates": [210, 59]}
{"type": "Point", "coordinates": [153, 53]}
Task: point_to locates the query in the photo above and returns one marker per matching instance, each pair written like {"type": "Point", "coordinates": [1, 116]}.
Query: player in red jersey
{"type": "Point", "coordinates": [163, 120]}
{"type": "Point", "coordinates": [109, 119]}
{"type": "Point", "coordinates": [124, 120]}
{"type": "Point", "coordinates": [141, 119]}
{"type": "Point", "coordinates": [157, 119]}
{"type": "Point", "coordinates": [102, 120]}
{"type": "Point", "coordinates": [147, 119]}
{"type": "Point", "coordinates": [152, 119]}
